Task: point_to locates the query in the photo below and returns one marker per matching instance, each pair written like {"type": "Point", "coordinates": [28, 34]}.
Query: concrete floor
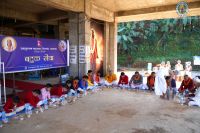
{"type": "Point", "coordinates": [113, 111]}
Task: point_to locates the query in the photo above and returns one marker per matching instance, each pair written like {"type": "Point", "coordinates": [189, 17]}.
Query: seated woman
{"type": "Point", "coordinates": [151, 81]}
{"type": "Point", "coordinates": [110, 79]}
{"type": "Point", "coordinates": [123, 81]}
{"type": "Point", "coordinates": [136, 81]}
{"type": "Point", "coordinates": [13, 106]}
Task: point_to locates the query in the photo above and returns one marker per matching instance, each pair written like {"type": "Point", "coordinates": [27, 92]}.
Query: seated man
{"type": "Point", "coordinates": [151, 81]}
{"type": "Point", "coordinates": [31, 97]}
{"type": "Point", "coordinates": [187, 85]}
{"type": "Point", "coordinates": [136, 81]}
{"type": "Point", "coordinates": [123, 81]}
{"type": "Point", "coordinates": [97, 79]}
{"type": "Point", "coordinates": [13, 105]}
{"type": "Point", "coordinates": [110, 79]}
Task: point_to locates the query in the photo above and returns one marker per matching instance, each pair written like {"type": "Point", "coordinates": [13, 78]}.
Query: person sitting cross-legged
{"type": "Point", "coordinates": [123, 81]}
{"type": "Point", "coordinates": [91, 85]}
{"type": "Point", "coordinates": [136, 81]}
{"type": "Point", "coordinates": [151, 81]}
{"type": "Point", "coordinates": [83, 84]}
{"type": "Point", "coordinates": [110, 79]}
{"type": "Point", "coordinates": [97, 79]}
{"type": "Point", "coordinates": [76, 90]}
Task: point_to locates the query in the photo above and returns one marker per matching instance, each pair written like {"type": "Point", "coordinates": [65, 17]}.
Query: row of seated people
{"type": "Point", "coordinates": [189, 88]}
{"type": "Point", "coordinates": [76, 88]}
{"type": "Point", "coordinates": [73, 89]}
{"type": "Point", "coordinates": [136, 81]}
{"type": "Point", "coordinates": [49, 95]}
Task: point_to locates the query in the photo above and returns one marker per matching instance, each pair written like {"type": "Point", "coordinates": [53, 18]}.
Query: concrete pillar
{"type": "Point", "coordinates": [73, 40]}
{"type": "Point", "coordinates": [110, 57]}
{"type": "Point", "coordinates": [84, 39]}
{"type": "Point", "coordinates": [106, 52]}
{"type": "Point", "coordinates": [79, 34]}
{"type": "Point", "coordinates": [113, 46]}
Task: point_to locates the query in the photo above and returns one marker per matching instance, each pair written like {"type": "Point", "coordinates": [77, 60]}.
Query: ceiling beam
{"type": "Point", "coordinates": [53, 15]}
{"type": "Point", "coordinates": [161, 12]}
{"type": "Point", "coordinates": [98, 12]}
{"type": "Point", "coordinates": [49, 18]}
{"type": "Point", "coordinates": [65, 5]}
{"type": "Point", "coordinates": [16, 14]}
{"type": "Point", "coordinates": [33, 23]}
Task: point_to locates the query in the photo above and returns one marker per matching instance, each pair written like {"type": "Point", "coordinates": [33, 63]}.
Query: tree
{"type": "Point", "coordinates": [149, 38]}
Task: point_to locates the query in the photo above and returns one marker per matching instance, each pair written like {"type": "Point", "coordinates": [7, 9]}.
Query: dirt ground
{"type": "Point", "coordinates": [113, 111]}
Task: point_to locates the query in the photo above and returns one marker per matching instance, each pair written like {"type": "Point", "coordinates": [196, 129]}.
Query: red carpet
{"type": "Point", "coordinates": [21, 85]}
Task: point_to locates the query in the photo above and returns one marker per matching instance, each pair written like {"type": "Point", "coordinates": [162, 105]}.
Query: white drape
{"type": "Point", "coordinates": [160, 82]}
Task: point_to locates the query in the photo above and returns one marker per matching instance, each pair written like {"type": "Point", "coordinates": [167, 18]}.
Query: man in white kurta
{"type": "Point", "coordinates": [160, 83]}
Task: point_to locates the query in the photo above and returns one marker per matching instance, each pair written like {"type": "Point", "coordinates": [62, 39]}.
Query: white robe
{"type": "Point", "coordinates": [160, 82]}
{"type": "Point", "coordinates": [196, 99]}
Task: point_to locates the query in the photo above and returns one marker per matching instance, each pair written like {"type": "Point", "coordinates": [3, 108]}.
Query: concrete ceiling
{"type": "Point", "coordinates": [25, 6]}
{"type": "Point", "coordinates": [124, 5]}
{"type": "Point", "coordinates": [106, 10]}
{"type": "Point", "coordinates": [31, 11]}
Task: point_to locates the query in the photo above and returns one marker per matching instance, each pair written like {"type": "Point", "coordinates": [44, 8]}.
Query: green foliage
{"type": "Point", "coordinates": [157, 40]}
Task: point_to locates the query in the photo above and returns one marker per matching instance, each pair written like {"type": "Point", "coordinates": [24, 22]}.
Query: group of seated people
{"type": "Point", "coordinates": [136, 81]}
{"type": "Point", "coordinates": [52, 96]}
{"type": "Point", "coordinates": [189, 88]}
{"type": "Point", "coordinates": [188, 92]}
{"type": "Point", "coordinates": [40, 99]}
